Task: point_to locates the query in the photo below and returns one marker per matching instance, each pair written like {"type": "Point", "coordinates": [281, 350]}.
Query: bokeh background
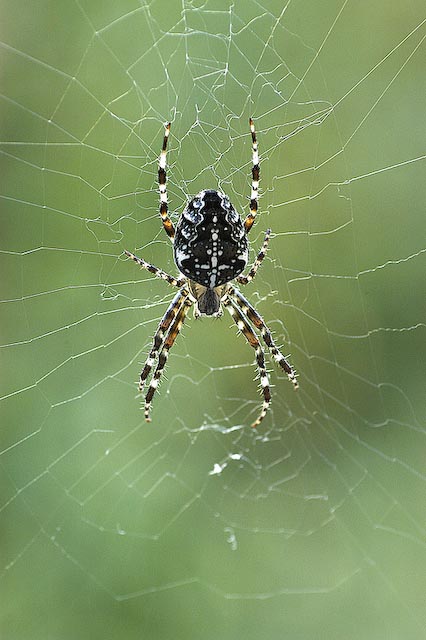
{"type": "Point", "coordinates": [197, 526]}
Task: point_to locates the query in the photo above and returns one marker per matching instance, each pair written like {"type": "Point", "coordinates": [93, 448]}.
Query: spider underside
{"type": "Point", "coordinates": [210, 244]}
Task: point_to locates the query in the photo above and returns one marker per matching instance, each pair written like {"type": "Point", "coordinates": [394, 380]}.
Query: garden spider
{"type": "Point", "coordinates": [210, 250]}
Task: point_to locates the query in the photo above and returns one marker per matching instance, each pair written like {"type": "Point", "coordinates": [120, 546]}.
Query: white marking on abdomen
{"type": "Point", "coordinates": [181, 255]}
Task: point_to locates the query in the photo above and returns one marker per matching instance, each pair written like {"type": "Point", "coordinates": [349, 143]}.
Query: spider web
{"type": "Point", "coordinates": [196, 525]}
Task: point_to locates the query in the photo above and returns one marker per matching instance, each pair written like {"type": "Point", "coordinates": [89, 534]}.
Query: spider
{"type": "Point", "coordinates": [210, 250]}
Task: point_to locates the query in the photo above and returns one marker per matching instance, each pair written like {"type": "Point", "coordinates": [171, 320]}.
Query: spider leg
{"type": "Point", "coordinates": [162, 183]}
{"type": "Point", "coordinates": [164, 353]}
{"type": "Point", "coordinates": [160, 336]}
{"type": "Point", "coordinates": [248, 222]}
{"type": "Point", "coordinates": [176, 282]}
{"type": "Point", "coordinates": [259, 323]}
{"type": "Point", "coordinates": [256, 264]}
{"type": "Point", "coordinates": [245, 328]}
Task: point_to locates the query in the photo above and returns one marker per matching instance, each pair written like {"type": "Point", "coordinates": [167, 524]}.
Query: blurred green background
{"type": "Point", "coordinates": [197, 526]}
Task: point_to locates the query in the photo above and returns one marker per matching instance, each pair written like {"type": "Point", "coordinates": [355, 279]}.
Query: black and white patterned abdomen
{"type": "Point", "coordinates": [210, 244]}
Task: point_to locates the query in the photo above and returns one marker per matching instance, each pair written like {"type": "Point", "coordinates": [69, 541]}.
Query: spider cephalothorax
{"type": "Point", "coordinates": [210, 250]}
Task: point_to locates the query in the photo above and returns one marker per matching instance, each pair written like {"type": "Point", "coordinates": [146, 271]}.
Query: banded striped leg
{"type": "Point", "coordinates": [248, 222]}
{"type": "Point", "coordinates": [160, 336]}
{"type": "Point", "coordinates": [162, 180]}
{"type": "Point", "coordinates": [254, 317]}
{"type": "Point", "coordinates": [164, 353]}
{"type": "Point", "coordinates": [251, 338]}
{"type": "Point", "coordinates": [260, 256]}
{"type": "Point", "coordinates": [176, 282]}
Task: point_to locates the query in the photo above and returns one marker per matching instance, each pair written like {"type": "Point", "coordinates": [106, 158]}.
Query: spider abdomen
{"type": "Point", "coordinates": [210, 245]}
